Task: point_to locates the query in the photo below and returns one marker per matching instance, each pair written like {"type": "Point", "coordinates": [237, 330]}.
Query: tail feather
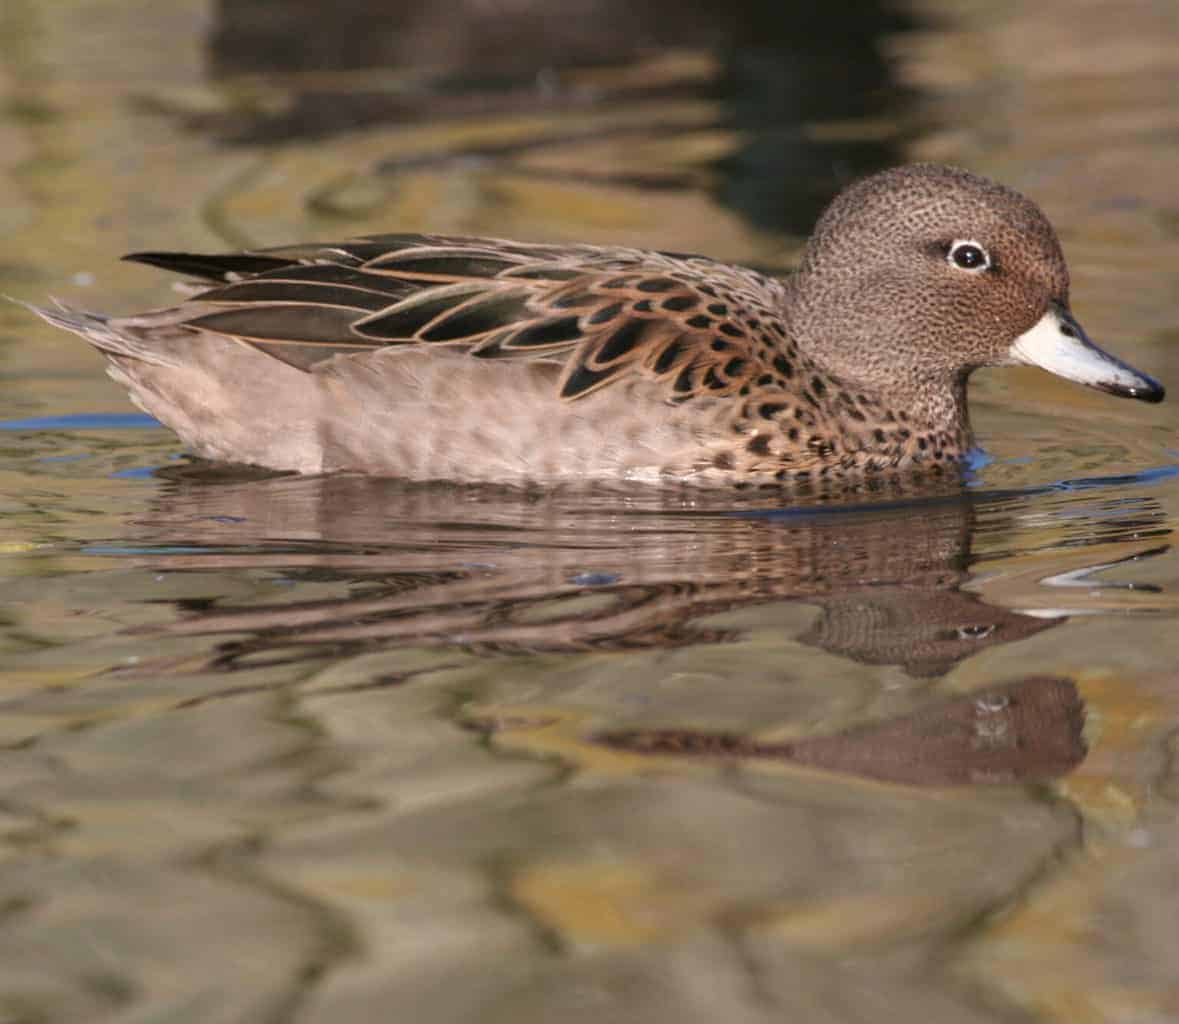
{"type": "Point", "coordinates": [211, 267]}
{"type": "Point", "coordinates": [107, 334]}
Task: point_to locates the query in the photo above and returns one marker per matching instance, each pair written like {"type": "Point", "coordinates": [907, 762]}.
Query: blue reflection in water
{"type": "Point", "coordinates": [83, 421]}
{"type": "Point", "coordinates": [137, 473]}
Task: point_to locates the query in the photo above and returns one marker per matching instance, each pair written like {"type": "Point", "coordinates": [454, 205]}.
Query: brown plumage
{"type": "Point", "coordinates": [433, 357]}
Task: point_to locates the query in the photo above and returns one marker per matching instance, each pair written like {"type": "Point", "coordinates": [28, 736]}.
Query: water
{"type": "Point", "coordinates": [288, 749]}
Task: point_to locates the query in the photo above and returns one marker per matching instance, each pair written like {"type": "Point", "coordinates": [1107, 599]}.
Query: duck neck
{"type": "Point", "coordinates": [934, 406]}
{"type": "Point", "coordinates": [925, 426]}
{"type": "Point", "coordinates": [886, 385]}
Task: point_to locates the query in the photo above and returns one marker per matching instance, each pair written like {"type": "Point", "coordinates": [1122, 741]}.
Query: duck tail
{"type": "Point", "coordinates": [107, 334]}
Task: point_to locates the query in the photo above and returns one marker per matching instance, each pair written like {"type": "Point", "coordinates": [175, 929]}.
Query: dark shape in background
{"type": "Point", "coordinates": [775, 68]}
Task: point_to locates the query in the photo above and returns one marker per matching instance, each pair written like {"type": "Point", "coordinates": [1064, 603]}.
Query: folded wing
{"type": "Point", "coordinates": [700, 326]}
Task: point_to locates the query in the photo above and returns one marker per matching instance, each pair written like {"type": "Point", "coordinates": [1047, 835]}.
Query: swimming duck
{"type": "Point", "coordinates": [471, 359]}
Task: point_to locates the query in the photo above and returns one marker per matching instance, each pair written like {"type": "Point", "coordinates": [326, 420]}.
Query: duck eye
{"type": "Point", "coordinates": [969, 256]}
{"type": "Point", "coordinates": [975, 632]}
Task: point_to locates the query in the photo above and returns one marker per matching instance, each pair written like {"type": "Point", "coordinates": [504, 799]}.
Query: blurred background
{"type": "Point", "coordinates": [284, 749]}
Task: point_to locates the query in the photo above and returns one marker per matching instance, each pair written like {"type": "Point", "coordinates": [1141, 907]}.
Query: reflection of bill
{"type": "Point", "coordinates": [1026, 731]}
{"type": "Point", "coordinates": [502, 571]}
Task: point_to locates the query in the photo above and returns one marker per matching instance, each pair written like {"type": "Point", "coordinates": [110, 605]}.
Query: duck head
{"type": "Point", "coordinates": [918, 275]}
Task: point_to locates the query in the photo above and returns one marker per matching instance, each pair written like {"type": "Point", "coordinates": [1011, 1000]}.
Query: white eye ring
{"type": "Point", "coordinates": [966, 254]}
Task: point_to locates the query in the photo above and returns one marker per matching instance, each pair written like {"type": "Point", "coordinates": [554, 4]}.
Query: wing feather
{"type": "Point", "coordinates": [701, 327]}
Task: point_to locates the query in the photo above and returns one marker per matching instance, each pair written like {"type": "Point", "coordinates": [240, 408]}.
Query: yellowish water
{"type": "Point", "coordinates": [281, 749]}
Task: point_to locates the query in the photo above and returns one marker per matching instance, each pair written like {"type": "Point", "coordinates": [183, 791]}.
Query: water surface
{"type": "Point", "coordinates": [303, 749]}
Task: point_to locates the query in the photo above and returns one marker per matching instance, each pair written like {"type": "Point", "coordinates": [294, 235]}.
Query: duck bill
{"type": "Point", "coordinates": [1057, 343]}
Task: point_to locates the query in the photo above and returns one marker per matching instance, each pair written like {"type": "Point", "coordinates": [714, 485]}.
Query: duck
{"type": "Point", "coordinates": [440, 358]}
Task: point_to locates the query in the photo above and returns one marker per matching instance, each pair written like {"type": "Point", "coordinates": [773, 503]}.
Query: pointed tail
{"type": "Point", "coordinates": [105, 333]}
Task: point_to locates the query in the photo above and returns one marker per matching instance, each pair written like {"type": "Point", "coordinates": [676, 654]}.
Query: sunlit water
{"type": "Point", "coordinates": [282, 748]}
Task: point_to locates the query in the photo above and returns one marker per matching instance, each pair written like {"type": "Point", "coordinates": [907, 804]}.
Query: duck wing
{"type": "Point", "coordinates": [701, 326]}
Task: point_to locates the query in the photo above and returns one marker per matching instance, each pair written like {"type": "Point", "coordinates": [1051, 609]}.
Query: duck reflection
{"type": "Point", "coordinates": [1028, 730]}
{"type": "Point", "coordinates": [502, 571]}
{"type": "Point", "coordinates": [498, 571]}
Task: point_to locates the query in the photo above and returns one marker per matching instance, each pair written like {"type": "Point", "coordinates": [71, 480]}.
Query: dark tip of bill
{"type": "Point", "coordinates": [1149, 391]}
{"type": "Point", "coordinates": [1155, 393]}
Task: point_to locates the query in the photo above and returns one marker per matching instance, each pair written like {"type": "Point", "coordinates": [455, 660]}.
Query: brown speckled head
{"type": "Point", "coordinates": [917, 275]}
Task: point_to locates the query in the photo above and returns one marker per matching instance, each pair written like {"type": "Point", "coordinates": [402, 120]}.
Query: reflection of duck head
{"type": "Point", "coordinates": [927, 633]}
{"type": "Point", "coordinates": [503, 570]}
{"type": "Point", "coordinates": [1027, 730]}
